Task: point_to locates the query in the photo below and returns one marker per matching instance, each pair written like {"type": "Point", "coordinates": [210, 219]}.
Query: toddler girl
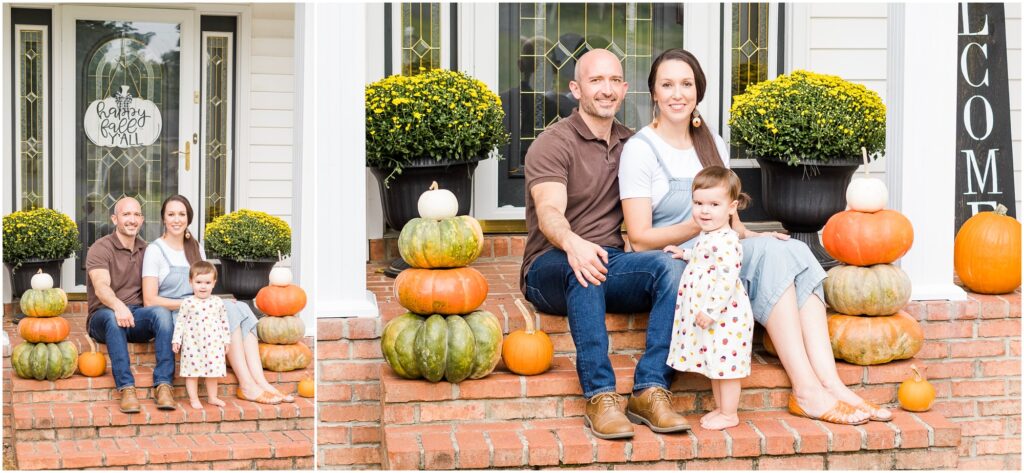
{"type": "Point", "coordinates": [201, 334]}
{"type": "Point", "coordinates": [714, 324]}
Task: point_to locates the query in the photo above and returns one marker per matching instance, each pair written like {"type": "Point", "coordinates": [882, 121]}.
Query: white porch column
{"type": "Point", "coordinates": [921, 140]}
{"type": "Point", "coordinates": [330, 151]}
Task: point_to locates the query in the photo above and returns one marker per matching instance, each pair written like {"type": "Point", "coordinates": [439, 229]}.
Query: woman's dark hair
{"type": "Point", "coordinates": [191, 245]}
{"type": "Point", "coordinates": [703, 140]}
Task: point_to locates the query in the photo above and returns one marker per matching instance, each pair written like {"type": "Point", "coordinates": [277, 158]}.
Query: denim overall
{"type": "Point", "coordinates": [677, 205]}
{"type": "Point", "coordinates": [175, 285]}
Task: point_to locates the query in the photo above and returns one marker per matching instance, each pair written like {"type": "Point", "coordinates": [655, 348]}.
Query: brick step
{"type": "Point", "coordinates": [280, 450]}
{"type": "Point", "coordinates": [503, 395]}
{"type": "Point", "coordinates": [80, 388]}
{"type": "Point", "coordinates": [102, 419]}
{"type": "Point", "coordinates": [763, 440]}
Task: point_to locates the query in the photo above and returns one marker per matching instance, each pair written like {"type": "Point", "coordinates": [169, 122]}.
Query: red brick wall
{"type": "Point", "coordinates": [973, 359]}
{"type": "Point", "coordinates": [348, 393]}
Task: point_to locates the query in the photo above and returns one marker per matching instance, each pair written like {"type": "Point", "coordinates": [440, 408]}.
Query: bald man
{"type": "Point", "coordinates": [574, 263]}
{"type": "Point", "coordinates": [116, 315]}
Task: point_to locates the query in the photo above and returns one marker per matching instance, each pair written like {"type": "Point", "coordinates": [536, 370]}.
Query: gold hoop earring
{"type": "Point", "coordinates": [654, 115]}
{"type": "Point", "coordinates": [696, 121]}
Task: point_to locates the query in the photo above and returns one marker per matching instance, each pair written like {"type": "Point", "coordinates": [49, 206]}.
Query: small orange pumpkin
{"type": "Point", "coordinates": [281, 301]}
{"type": "Point", "coordinates": [916, 394]}
{"type": "Point", "coordinates": [527, 352]}
{"type": "Point", "coordinates": [93, 363]}
{"type": "Point", "coordinates": [44, 330]}
{"type": "Point", "coordinates": [307, 387]}
{"type": "Point", "coordinates": [865, 239]}
{"type": "Point", "coordinates": [441, 291]}
{"type": "Point", "coordinates": [986, 252]}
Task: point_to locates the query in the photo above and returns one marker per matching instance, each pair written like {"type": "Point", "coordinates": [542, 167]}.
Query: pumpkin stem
{"type": "Point", "coordinates": [92, 346]}
{"type": "Point", "coordinates": [40, 270]}
{"type": "Point", "coordinates": [526, 316]}
{"type": "Point", "coordinates": [1000, 210]}
{"type": "Point", "coordinates": [917, 373]}
{"type": "Point", "coordinates": [433, 186]}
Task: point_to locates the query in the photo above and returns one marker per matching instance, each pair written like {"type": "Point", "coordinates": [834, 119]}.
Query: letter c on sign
{"type": "Point", "coordinates": [963, 64]}
{"type": "Point", "coordinates": [988, 117]}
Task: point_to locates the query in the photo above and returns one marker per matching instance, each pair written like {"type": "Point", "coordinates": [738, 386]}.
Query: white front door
{"type": "Point", "coordinates": [130, 115]}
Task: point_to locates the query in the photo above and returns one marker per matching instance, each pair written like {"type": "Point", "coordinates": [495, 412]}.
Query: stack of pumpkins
{"type": "Point", "coordinates": [455, 341]}
{"type": "Point", "coordinates": [46, 353]}
{"type": "Point", "coordinates": [280, 334]}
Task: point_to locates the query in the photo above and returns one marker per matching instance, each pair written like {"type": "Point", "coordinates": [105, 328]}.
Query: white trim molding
{"type": "Point", "coordinates": [922, 79]}
{"type": "Point", "coordinates": [332, 177]}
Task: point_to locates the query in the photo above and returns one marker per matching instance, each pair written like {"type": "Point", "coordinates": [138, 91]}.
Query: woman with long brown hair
{"type": "Point", "coordinates": [781, 276]}
{"type": "Point", "coordinates": [165, 283]}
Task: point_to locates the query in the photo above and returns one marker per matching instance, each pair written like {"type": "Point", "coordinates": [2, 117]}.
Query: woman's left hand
{"type": "Point", "coordinates": [777, 235]}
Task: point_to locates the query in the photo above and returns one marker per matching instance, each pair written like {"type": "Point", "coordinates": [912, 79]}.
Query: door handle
{"type": "Point", "coordinates": [187, 153]}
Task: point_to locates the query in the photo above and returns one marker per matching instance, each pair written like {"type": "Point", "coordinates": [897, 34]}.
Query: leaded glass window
{"type": "Point", "coordinates": [421, 37]}
{"type": "Point", "coordinates": [31, 116]}
{"type": "Point", "coordinates": [217, 138]}
{"type": "Point", "coordinates": [749, 51]}
{"type": "Point", "coordinates": [539, 44]}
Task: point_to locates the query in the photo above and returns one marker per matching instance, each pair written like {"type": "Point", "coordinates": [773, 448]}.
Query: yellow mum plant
{"type": "Point", "coordinates": [437, 114]}
{"type": "Point", "coordinates": [39, 234]}
{"type": "Point", "coordinates": [248, 234]}
{"type": "Point", "coordinates": [808, 116]}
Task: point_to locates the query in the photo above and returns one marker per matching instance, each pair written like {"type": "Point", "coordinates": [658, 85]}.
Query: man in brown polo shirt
{"type": "Point", "coordinates": [574, 262]}
{"type": "Point", "coordinates": [116, 315]}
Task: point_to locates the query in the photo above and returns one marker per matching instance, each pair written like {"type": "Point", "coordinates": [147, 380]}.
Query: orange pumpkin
{"type": "Point", "coordinates": [865, 239]}
{"type": "Point", "coordinates": [527, 352]}
{"type": "Point", "coordinates": [307, 387]}
{"type": "Point", "coordinates": [93, 363]}
{"type": "Point", "coordinates": [986, 252]}
{"type": "Point", "coordinates": [44, 330]}
{"type": "Point", "coordinates": [916, 394]}
{"type": "Point", "coordinates": [441, 291]}
{"type": "Point", "coordinates": [874, 340]}
{"type": "Point", "coordinates": [281, 301]}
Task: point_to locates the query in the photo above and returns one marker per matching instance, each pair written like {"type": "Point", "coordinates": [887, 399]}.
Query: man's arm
{"type": "Point", "coordinates": [586, 259]}
{"type": "Point", "coordinates": [100, 279]}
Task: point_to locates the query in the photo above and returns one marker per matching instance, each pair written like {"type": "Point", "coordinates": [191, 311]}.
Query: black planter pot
{"type": "Point", "coordinates": [400, 198]}
{"type": "Point", "coordinates": [245, 278]}
{"type": "Point", "coordinates": [21, 278]}
{"type": "Point", "coordinates": [805, 196]}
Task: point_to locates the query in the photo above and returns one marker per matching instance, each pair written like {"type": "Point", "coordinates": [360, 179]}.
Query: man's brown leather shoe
{"type": "Point", "coordinates": [165, 397]}
{"type": "Point", "coordinates": [654, 407]}
{"type": "Point", "coordinates": [129, 402]}
{"type": "Point", "coordinates": [605, 418]}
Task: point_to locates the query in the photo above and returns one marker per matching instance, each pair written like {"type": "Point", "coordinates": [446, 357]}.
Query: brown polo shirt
{"type": "Point", "coordinates": [124, 265]}
{"type": "Point", "coordinates": [569, 153]}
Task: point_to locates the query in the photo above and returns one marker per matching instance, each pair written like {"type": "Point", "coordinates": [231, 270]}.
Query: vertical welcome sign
{"type": "Point", "coordinates": [984, 161]}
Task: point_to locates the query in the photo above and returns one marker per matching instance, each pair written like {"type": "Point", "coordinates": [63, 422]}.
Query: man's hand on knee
{"type": "Point", "coordinates": [588, 261]}
{"type": "Point", "coordinates": [124, 317]}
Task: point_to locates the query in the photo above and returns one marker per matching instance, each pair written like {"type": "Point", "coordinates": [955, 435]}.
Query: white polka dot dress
{"type": "Point", "coordinates": [711, 284]}
{"type": "Point", "coordinates": [202, 331]}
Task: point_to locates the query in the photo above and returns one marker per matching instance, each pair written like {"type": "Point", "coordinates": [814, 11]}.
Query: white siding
{"type": "Point", "coordinates": [269, 179]}
{"type": "Point", "coordinates": [1013, 32]}
{"type": "Point", "coordinates": [850, 41]}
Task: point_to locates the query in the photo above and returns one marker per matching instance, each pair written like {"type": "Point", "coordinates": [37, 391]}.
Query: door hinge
{"type": "Point", "coordinates": [195, 97]}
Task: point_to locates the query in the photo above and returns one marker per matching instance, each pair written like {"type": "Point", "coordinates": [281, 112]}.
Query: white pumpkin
{"type": "Point", "coordinates": [437, 203]}
{"type": "Point", "coordinates": [280, 276]}
{"type": "Point", "coordinates": [41, 281]}
{"type": "Point", "coordinates": [867, 194]}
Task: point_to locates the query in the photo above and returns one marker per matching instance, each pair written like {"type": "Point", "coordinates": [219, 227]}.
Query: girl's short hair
{"type": "Point", "coordinates": [202, 267]}
{"type": "Point", "coordinates": [714, 176]}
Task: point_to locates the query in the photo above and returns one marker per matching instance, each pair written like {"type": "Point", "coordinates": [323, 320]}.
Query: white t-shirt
{"type": "Point", "coordinates": [154, 264]}
{"type": "Point", "coordinates": [641, 176]}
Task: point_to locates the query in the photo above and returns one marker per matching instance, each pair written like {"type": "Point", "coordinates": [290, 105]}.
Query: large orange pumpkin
{"type": "Point", "coordinates": [874, 340]}
{"type": "Point", "coordinates": [281, 301]}
{"type": "Point", "coordinates": [441, 291]}
{"type": "Point", "coordinates": [986, 252]}
{"type": "Point", "coordinates": [864, 239]}
{"type": "Point", "coordinates": [93, 363]}
{"type": "Point", "coordinates": [527, 352]}
{"type": "Point", "coordinates": [44, 329]}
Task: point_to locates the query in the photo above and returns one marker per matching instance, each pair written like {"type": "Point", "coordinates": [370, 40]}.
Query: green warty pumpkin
{"type": "Point", "coordinates": [43, 302]}
{"type": "Point", "coordinates": [453, 348]}
{"type": "Point", "coordinates": [448, 243]}
{"type": "Point", "coordinates": [281, 330]}
{"type": "Point", "coordinates": [882, 289]}
{"type": "Point", "coordinates": [49, 361]}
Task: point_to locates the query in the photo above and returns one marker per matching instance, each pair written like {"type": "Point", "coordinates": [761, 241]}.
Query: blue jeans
{"type": "Point", "coordinates": [637, 282]}
{"type": "Point", "coordinates": [150, 323]}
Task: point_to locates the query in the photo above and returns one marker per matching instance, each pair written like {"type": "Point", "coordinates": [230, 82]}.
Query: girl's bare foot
{"type": "Point", "coordinates": [216, 401]}
{"type": "Point", "coordinates": [721, 421]}
{"type": "Point", "coordinates": [710, 415]}
{"type": "Point", "coordinates": [196, 404]}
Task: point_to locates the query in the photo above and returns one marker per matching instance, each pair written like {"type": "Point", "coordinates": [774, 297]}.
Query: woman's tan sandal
{"type": "Point", "coordinates": [874, 411]}
{"type": "Point", "coordinates": [838, 414]}
{"type": "Point", "coordinates": [284, 397]}
{"type": "Point", "coordinates": [263, 398]}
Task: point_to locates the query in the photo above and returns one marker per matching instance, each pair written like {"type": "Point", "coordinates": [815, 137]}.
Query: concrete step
{"type": "Point", "coordinates": [763, 440]}
{"type": "Point", "coordinates": [280, 450]}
